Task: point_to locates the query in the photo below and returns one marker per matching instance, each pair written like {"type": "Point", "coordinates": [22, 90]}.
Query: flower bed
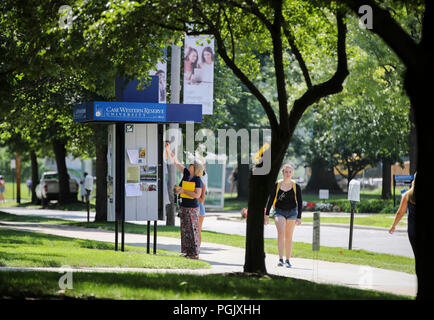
{"type": "Point", "coordinates": [364, 206]}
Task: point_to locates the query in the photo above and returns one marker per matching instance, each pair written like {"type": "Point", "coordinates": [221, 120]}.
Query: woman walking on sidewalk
{"type": "Point", "coordinates": [189, 207]}
{"type": "Point", "coordinates": [287, 202]}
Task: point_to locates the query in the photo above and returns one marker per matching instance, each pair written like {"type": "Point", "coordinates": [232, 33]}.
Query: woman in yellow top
{"type": "Point", "coordinates": [408, 200]}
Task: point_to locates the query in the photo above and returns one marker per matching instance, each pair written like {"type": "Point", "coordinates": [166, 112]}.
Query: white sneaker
{"type": "Point", "coordinates": [281, 263]}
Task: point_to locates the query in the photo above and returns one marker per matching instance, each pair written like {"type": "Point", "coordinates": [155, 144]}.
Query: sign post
{"type": "Point", "coordinates": [316, 232]}
{"type": "Point", "coordinates": [353, 196]}
{"type": "Point", "coordinates": [135, 151]}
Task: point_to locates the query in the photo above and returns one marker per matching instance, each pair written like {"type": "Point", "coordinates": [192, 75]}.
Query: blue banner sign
{"type": "Point", "coordinates": [405, 177]}
{"type": "Point", "coordinates": [136, 112]}
{"type": "Point", "coordinates": [129, 111]}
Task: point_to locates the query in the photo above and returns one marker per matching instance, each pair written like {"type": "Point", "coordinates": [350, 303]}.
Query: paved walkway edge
{"type": "Point", "coordinates": [224, 259]}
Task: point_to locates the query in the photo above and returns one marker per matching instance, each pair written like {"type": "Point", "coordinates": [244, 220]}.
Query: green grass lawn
{"type": "Point", "coordinates": [11, 191]}
{"type": "Point", "coordinates": [31, 249]}
{"type": "Point", "coordinates": [300, 250]}
{"type": "Point", "coordinates": [20, 248]}
{"type": "Point", "coordinates": [133, 286]}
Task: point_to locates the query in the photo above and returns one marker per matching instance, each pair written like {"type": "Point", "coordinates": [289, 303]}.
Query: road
{"type": "Point", "coordinates": [367, 239]}
{"type": "Point", "coordinates": [375, 240]}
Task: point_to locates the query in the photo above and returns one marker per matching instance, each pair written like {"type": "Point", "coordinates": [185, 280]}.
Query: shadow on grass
{"type": "Point", "coordinates": [230, 286]}
{"type": "Point", "coordinates": [54, 205]}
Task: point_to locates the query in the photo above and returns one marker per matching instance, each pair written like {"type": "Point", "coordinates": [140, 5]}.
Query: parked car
{"type": "Point", "coordinates": [48, 187]}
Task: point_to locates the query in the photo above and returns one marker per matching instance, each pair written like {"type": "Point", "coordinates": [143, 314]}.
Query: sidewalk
{"type": "Point", "coordinates": [224, 258]}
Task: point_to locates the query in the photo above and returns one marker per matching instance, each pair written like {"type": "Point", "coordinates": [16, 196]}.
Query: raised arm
{"type": "Point", "coordinates": [178, 164]}
{"type": "Point", "coordinates": [400, 213]}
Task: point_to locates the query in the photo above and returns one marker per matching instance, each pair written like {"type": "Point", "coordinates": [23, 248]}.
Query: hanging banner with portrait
{"type": "Point", "coordinates": [199, 71]}
{"type": "Point", "coordinates": [161, 73]}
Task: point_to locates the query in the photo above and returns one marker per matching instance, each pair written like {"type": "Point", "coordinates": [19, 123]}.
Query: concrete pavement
{"type": "Point", "coordinates": [230, 259]}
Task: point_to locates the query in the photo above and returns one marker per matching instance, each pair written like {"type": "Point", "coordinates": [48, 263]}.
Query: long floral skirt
{"type": "Point", "coordinates": [189, 230]}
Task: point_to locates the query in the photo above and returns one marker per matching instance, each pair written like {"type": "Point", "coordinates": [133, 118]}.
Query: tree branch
{"type": "Point", "coordinates": [231, 33]}
{"type": "Point", "coordinates": [297, 54]}
{"type": "Point", "coordinates": [251, 8]}
{"type": "Point", "coordinates": [391, 33]}
{"type": "Point", "coordinates": [221, 49]}
{"type": "Point", "coordinates": [331, 86]}
{"type": "Point", "coordinates": [276, 37]}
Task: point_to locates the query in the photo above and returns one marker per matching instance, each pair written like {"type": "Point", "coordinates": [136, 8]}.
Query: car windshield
{"type": "Point", "coordinates": [50, 176]}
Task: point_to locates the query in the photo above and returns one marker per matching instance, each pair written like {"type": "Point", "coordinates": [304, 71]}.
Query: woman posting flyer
{"type": "Point", "coordinates": [189, 207]}
{"type": "Point", "coordinates": [286, 199]}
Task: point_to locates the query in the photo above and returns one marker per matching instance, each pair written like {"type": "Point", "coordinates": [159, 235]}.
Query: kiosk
{"type": "Point", "coordinates": [135, 171]}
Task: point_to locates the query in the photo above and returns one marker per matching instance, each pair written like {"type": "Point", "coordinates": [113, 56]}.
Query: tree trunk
{"type": "Point", "coordinates": [18, 175]}
{"type": "Point", "coordinates": [35, 175]}
{"type": "Point", "coordinates": [259, 190]}
{"type": "Point", "coordinates": [60, 153]}
{"type": "Point", "coordinates": [101, 182]}
{"type": "Point", "coordinates": [386, 192]}
{"type": "Point", "coordinates": [419, 63]}
{"type": "Point", "coordinates": [255, 254]}
{"type": "Point", "coordinates": [413, 143]}
{"type": "Point", "coordinates": [243, 180]}
{"type": "Point", "coordinates": [419, 90]}
{"type": "Point", "coordinates": [322, 177]}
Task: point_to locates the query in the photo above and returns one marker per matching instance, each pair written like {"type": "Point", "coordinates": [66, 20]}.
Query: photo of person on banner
{"type": "Point", "coordinates": [199, 71]}
{"type": "Point", "coordinates": [190, 63]}
{"type": "Point", "coordinates": [161, 73]}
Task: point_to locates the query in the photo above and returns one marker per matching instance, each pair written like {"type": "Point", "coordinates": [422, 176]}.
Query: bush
{"type": "Point", "coordinates": [343, 205]}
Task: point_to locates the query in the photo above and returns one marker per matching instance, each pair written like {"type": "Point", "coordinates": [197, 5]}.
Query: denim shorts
{"type": "Point", "coordinates": [287, 214]}
{"type": "Point", "coordinates": [201, 209]}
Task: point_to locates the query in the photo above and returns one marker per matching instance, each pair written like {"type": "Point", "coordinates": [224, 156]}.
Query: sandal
{"type": "Point", "coordinates": [195, 257]}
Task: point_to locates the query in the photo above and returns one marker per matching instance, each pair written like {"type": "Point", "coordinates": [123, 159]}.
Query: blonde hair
{"type": "Point", "coordinates": [198, 169]}
{"type": "Point", "coordinates": [286, 165]}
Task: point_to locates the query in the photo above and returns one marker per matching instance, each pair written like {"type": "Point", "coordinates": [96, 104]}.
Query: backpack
{"type": "Point", "coordinates": [294, 187]}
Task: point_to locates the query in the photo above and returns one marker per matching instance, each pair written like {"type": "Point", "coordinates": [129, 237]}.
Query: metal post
{"type": "Point", "coordinates": [122, 188]}
{"type": "Point", "coordinates": [175, 89]}
{"type": "Point", "coordinates": [123, 232]}
{"type": "Point", "coordinates": [394, 186]}
{"type": "Point", "coordinates": [353, 205]}
{"type": "Point", "coordinates": [88, 208]}
{"type": "Point", "coordinates": [316, 232]}
{"type": "Point", "coordinates": [116, 232]}
{"type": "Point", "coordinates": [148, 237]}
{"type": "Point", "coordinates": [120, 184]}
{"type": "Point", "coordinates": [155, 237]}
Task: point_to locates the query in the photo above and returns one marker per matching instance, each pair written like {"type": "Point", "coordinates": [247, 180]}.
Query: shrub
{"type": "Point", "coordinates": [343, 205]}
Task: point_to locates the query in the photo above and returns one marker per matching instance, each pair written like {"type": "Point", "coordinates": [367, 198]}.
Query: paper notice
{"type": "Point", "coordinates": [132, 190]}
{"type": "Point", "coordinates": [133, 174]}
{"type": "Point", "coordinates": [133, 155]}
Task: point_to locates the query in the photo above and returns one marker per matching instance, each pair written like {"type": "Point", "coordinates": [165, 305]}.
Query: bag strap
{"type": "Point", "coordinates": [277, 191]}
{"type": "Point", "coordinates": [294, 187]}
